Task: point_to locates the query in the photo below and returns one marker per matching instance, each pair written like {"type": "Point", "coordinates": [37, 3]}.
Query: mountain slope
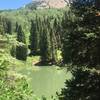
{"type": "Point", "coordinates": [41, 4]}
{"type": "Point", "coordinates": [52, 4]}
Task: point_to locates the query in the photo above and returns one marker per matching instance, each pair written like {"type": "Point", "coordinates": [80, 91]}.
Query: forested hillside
{"type": "Point", "coordinates": [32, 41]}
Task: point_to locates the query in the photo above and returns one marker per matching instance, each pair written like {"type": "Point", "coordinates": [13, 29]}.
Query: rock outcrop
{"type": "Point", "coordinates": [41, 4]}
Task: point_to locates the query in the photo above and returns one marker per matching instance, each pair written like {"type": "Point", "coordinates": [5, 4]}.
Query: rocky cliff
{"type": "Point", "coordinates": [41, 4]}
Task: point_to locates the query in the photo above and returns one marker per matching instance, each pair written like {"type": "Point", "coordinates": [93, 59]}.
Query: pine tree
{"type": "Point", "coordinates": [1, 26]}
{"type": "Point", "coordinates": [57, 31]}
{"type": "Point", "coordinates": [20, 35]}
{"type": "Point", "coordinates": [34, 37]}
{"type": "Point", "coordinates": [83, 86]}
{"type": "Point", "coordinates": [53, 43]}
{"type": "Point", "coordinates": [48, 43]}
{"type": "Point", "coordinates": [45, 45]}
{"type": "Point", "coordinates": [68, 26]}
{"type": "Point", "coordinates": [16, 27]}
{"type": "Point", "coordinates": [84, 39]}
{"type": "Point", "coordinates": [21, 48]}
{"type": "Point", "coordinates": [21, 51]}
{"type": "Point", "coordinates": [9, 27]}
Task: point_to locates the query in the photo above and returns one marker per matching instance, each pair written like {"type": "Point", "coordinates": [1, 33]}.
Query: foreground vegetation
{"type": "Point", "coordinates": [12, 85]}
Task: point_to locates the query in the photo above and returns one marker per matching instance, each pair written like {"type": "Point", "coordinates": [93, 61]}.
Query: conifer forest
{"type": "Point", "coordinates": [50, 53]}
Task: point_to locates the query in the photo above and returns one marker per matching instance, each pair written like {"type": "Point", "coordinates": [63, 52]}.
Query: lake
{"type": "Point", "coordinates": [45, 80]}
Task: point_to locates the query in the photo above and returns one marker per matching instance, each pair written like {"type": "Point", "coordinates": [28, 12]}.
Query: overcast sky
{"type": "Point", "coordinates": [12, 4]}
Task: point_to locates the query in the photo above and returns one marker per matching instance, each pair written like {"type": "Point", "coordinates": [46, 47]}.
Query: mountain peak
{"type": "Point", "coordinates": [52, 4]}
{"type": "Point", "coordinates": [41, 4]}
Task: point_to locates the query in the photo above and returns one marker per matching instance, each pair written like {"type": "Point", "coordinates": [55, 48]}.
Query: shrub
{"type": "Point", "coordinates": [21, 52]}
{"type": "Point", "coordinates": [12, 86]}
{"type": "Point", "coordinates": [13, 51]}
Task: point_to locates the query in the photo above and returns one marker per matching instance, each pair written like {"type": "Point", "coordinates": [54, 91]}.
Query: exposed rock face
{"type": "Point", "coordinates": [52, 3]}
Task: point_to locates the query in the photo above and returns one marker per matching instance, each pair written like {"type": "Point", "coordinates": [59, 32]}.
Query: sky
{"type": "Point", "coordinates": [12, 4]}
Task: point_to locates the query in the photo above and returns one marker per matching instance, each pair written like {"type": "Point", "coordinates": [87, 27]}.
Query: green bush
{"type": "Point", "coordinates": [21, 52]}
{"type": "Point", "coordinates": [12, 86]}
{"type": "Point", "coordinates": [13, 51]}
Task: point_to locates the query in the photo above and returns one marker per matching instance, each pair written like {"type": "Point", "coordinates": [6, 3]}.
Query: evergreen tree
{"type": "Point", "coordinates": [1, 26]}
{"type": "Point", "coordinates": [9, 27]}
{"type": "Point", "coordinates": [54, 46]}
{"type": "Point", "coordinates": [84, 39]}
{"type": "Point", "coordinates": [57, 31]}
{"type": "Point", "coordinates": [68, 26]}
{"type": "Point", "coordinates": [83, 86]}
{"type": "Point", "coordinates": [48, 42]}
{"type": "Point", "coordinates": [21, 48]}
{"type": "Point", "coordinates": [34, 37]}
{"type": "Point", "coordinates": [45, 45]}
{"type": "Point", "coordinates": [21, 51]}
{"type": "Point", "coordinates": [1, 30]}
{"type": "Point", "coordinates": [6, 25]}
{"type": "Point", "coordinates": [20, 35]}
{"type": "Point", "coordinates": [16, 27]}
{"type": "Point", "coordinates": [13, 51]}
{"type": "Point", "coordinates": [80, 29]}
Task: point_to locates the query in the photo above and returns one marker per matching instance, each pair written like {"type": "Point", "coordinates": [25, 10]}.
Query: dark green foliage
{"type": "Point", "coordinates": [44, 98]}
{"type": "Point", "coordinates": [54, 46]}
{"type": "Point", "coordinates": [21, 48]}
{"type": "Point", "coordinates": [20, 35]}
{"type": "Point", "coordinates": [16, 27]}
{"type": "Point", "coordinates": [57, 31]}
{"type": "Point", "coordinates": [34, 37]}
{"type": "Point", "coordinates": [5, 25]}
{"type": "Point", "coordinates": [87, 40]}
{"type": "Point", "coordinates": [21, 52]}
{"type": "Point", "coordinates": [1, 30]}
{"type": "Point", "coordinates": [48, 42]}
{"type": "Point", "coordinates": [9, 27]}
{"type": "Point", "coordinates": [77, 34]}
{"type": "Point", "coordinates": [80, 39]}
{"type": "Point", "coordinates": [24, 16]}
{"type": "Point", "coordinates": [45, 46]}
{"type": "Point", "coordinates": [85, 85]}
{"type": "Point", "coordinates": [1, 26]}
{"type": "Point", "coordinates": [44, 38]}
{"type": "Point", "coordinates": [68, 27]}
{"type": "Point", "coordinates": [97, 3]}
{"type": "Point", "coordinates": [13, 51]}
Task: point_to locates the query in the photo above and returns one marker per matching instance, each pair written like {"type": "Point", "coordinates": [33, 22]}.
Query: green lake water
{"type": "Point", "coordinates": [45, 80]}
